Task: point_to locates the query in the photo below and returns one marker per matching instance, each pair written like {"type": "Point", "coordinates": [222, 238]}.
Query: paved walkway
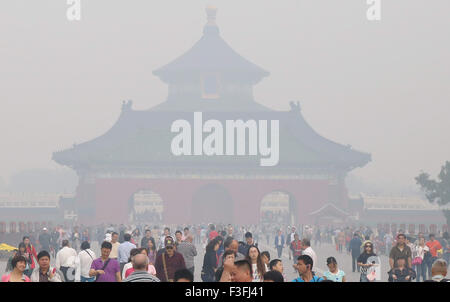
{"type": "Point", "coordinates": [323, 252]}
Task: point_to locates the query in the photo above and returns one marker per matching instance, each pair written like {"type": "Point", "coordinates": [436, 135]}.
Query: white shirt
{"type": "Point", "coordinates": [310, 252]}
{"type": "Point", "coordinates": [66, 257]}
{"type": "Point", "coordinates": [125, 268]}
{"type": "Point", "coordinates": [256, 277]}
{"type": "Point", "coordinates": [419, 251]}
{"type": "Point", "coordinates": [83, 264]}
{"type": "Point", "coordinates": [108, 237]}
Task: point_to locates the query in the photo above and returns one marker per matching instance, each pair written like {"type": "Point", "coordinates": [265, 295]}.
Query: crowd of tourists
{"type": "Point", "coordinates": [145, 253]}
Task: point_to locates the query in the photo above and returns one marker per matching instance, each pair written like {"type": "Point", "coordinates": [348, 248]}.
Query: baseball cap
{"type": "Point", "coordinates": [44, 229]}
{"type": "Point", "coordinates": [168, 241]}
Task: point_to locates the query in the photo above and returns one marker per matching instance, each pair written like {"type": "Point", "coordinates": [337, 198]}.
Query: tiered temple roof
{"type": "Point", "coordinates": [142, 139]}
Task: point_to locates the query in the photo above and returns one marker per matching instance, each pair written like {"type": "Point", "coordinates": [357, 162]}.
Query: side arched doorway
{"type": "Point", "coordinates": [145, 206]}
{"type": "Point", "coordinates": [212, 203]}
{"type": "Point", "coordinates": [278, 207]}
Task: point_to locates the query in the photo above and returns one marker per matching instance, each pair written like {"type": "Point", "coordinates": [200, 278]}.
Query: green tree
{"type": "Point", "coordinates": [437, 191]}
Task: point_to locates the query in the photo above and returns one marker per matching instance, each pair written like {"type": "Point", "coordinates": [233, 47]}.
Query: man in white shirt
{"type": "Point", "coordinates": [307, 250]}
{"type": "Point", "coordinates": [115, 246]}
{"type": "Point", "coordinates": [65, 261]}
{"type": "Point", "coordinates": [83, 263]}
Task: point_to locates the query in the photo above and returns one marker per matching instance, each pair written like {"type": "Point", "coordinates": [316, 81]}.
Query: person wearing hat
{"type": "Point", "coordinates": [169, 261]}
{"type": "Point", "coordinates": [45, 240]}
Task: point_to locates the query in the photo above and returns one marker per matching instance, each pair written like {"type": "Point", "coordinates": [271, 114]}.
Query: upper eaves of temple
{"type": "Point", "coordinates": [211, 54]}
{"type": "Point", "coordinates": [210, 76]}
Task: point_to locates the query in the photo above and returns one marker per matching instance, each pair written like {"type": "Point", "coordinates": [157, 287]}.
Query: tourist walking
{"type": "Point", "coordinates": [419, 260]}
{"type": "Point", "coordinates": [140, 270]}
{"type": "Point", "coordinates": [434, 247]}
{"type": "Point", "coordinates": [304, 267]}
{"type": "Point", "coordinates": [65, 261]}
{"type": "Point", "coordinates": [355, 250]}
{"type": "Point", "coordinates": [189, 251]}
{"type": "Point", "coordinates": [258, 266]}
{"type": "Point", "coordinates": [400, 250]}
{"type": "Point", "coordinates": [168, 262]}
{"type": "Point", "coordinates": [296, 248]}
{"type": "Point", "coordinates": [19, 264]}
{"type": "Point", "coordinates": [45, 272]}
{"type": "Point", "coordinates": [334, 273]}
{"type": "Point", "coordinates": [210, 261]}
{"type": "Point", "coordinates": [279, 243]}
{"type": "Point", "coordinates": [83, 263]}
{"type": "Point", "coordinates": [124, 250]}
{"type": "Point", "coordinates": [105, 269]}
{"type": "Point", "coordinates": [364, 261]}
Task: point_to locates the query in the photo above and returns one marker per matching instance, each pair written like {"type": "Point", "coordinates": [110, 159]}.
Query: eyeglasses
{"type": "Point", "coordinates": [169, 247]}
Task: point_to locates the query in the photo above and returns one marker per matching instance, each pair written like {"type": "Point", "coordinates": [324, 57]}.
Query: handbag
{"type": "Point", "coordinates": [417, 261]}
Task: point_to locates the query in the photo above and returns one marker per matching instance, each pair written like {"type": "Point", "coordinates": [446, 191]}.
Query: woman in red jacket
{"type": "Point", "coordinates": [31, 251]}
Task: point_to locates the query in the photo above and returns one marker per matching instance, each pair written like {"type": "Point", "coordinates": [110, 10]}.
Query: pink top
{"type": "Point", "coordinates": [5, 278]}
{"type": "Point", "coordinates": [151, 270]}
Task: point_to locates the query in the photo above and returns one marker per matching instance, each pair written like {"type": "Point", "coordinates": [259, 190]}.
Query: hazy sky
{"type": "Point", "coordinates": [382, 87]}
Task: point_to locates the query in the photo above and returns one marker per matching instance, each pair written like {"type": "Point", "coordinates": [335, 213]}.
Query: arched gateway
{"type": "Point", "coordinates": [135, 154]}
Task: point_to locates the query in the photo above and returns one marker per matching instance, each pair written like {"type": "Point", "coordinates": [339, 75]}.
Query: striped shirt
{"type": "Point", "coordinates": [141, 277]}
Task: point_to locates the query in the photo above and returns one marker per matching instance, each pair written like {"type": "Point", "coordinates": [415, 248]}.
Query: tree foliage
{"type": "Point", "coordinates": [437, 191]}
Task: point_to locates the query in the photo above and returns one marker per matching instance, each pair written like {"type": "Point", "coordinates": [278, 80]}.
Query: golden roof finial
{"type": "Point", "coordinates": [211, 12]}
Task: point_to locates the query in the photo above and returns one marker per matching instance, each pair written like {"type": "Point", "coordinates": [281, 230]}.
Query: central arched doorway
{"type": "Point", "coordinates": [145, 206]}
{"type": "Point", "coordinates": [212, 203]}
{"type": "Point", "coordinates": [279, 208]}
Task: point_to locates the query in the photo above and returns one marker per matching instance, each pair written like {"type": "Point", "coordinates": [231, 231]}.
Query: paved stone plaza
{"type": "Point", "coordinates": [323, 252]}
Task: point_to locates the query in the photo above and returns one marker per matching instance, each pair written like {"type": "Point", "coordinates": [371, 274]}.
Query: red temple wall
{"type": "Point", "coordinates": [112, 196]}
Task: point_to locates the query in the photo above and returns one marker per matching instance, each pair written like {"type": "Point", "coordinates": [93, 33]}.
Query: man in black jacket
{"type": "Point", "coordinates": [45, 240]}
{"type": "Point", "coordinates": [355, 248]}
{"type": "Point", "coordinates": [243, 247]}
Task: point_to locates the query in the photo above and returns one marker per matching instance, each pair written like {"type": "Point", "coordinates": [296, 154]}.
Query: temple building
{"type": "Point", "coordinates": [134, 156]}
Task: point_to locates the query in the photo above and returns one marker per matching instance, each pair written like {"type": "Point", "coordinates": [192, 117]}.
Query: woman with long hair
{"type": "Point", "coordinates": [363, 260]}
{"type": "Point", "coordinates": [420, 266]}
{"type": "Point", "coordinates": [258, 266]}
{"type": "Point", "coordinates": [151, 268]}
{"type": "Point", "coordinates": [210, 261]}
{"type": "Point", "coordinates": [151, 250]}
{"type": "Point", "coordinates": [30, 253]}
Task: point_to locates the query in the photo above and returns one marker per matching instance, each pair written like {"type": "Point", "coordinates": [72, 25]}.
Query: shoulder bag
{"type": "Point", "coordinates": [103, 268]}
{"type": "Point", "coordinates": [165, 268]}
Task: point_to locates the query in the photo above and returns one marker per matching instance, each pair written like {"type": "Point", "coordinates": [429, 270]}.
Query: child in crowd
{"type": "Point", "coordinates": [334, 273]}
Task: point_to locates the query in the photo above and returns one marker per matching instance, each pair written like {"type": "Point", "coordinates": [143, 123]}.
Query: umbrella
{"type": "Point", "coordinates": [6, 247]}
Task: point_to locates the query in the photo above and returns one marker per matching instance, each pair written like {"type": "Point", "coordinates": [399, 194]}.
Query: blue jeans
{"type": "Point", "coordinates": [279, 251]}
{"type": "Point", "coordinates": [363, 278]}
{"type": "Point", "coordinates": [84, 279]}
{"type": "Point", "coordinates": [421, 271]}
